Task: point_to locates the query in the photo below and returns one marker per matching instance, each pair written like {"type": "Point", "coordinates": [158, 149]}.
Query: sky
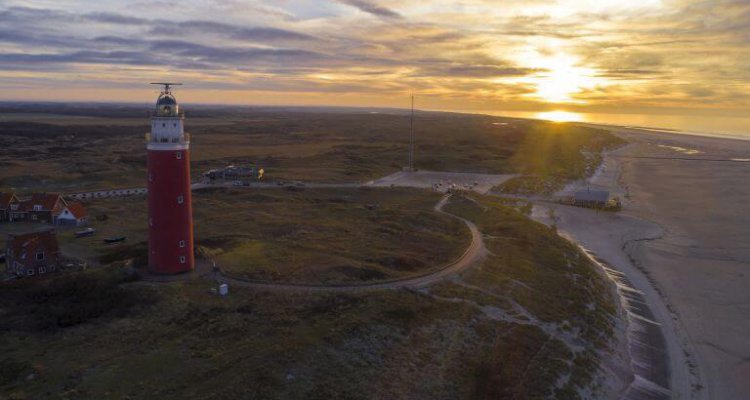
{"type": "Point", "coordinates": [612, 56]}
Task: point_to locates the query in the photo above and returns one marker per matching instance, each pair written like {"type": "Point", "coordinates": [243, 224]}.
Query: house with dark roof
{"type": "Point", "coordinates": [73, 214]}
{"type": "Point", "coordinates": [30, 254]}
{"type": "Point", "coordinates": [7, 199]}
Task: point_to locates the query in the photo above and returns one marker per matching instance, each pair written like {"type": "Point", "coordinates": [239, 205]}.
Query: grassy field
{"type": "Point", "coordinates": [526, 324]}
{"type": "Point", "coordinates": [327, 235]}
{"type": "Point", "coordinates": [310, 235]}
{"type": "Point", "coordinates": [92, 148]}
{"type": "Point", "coordinates": [531, 321]}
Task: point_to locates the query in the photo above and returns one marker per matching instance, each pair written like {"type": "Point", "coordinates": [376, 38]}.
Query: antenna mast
{"type": "Point", "coordinates": [411, 137]}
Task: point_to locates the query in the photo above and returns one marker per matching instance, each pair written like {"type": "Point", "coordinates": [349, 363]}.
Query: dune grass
{"type": "Point", "coordinates": [290, 235]}
{"type": "Point", "coordinates": [530, 322]}
{"type": "Point", "coordinates": [326, 235]}
{"type": "Point", "coordinates": [106, 149]}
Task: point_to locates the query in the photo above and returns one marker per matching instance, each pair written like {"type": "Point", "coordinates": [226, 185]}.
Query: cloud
{"type": "Point", "coordinates": [474, 71]}
{"type": "Point", "coordinates": [372, 8]}
{"type": "Point", "coordinates": [230, 31]}
{"type": "Point", "coordinates": [459, 53]}
{"type": "Point", "coordinates": [113, 18]}
{"type": "Point", "coordinates": [231, 54]}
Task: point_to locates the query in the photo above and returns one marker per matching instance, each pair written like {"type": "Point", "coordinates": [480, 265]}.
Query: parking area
{"type": "Point", "coordinates": [442, 181]}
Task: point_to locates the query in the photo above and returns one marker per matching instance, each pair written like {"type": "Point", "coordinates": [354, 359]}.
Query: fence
{"type": "Point", "coordinates": [100, 194]}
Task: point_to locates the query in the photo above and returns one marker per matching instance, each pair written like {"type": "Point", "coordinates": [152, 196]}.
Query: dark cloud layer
{"type": "Point", "coordinates": [372, 8]}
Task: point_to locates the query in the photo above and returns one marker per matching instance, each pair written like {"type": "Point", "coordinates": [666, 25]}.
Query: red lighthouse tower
{"type": "Point", "coordinates": [170, 211]}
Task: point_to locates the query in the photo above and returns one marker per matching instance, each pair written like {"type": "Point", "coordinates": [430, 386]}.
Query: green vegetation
{"type": "Point", "coordinates": [529, 322]}
{"type": "Point", "coordinates": [290, 234]}
{"type": "Point", "coordinates": [525, 324]}
{"type": "Point", "coordinates": [533, 276]}
{"type": "Point", "coordinates": [553, 154]}
{"type": "Point", "coordinates": [66, 300]}
{"type": "Point", "coordinates": [326, 235]}
{"type": "Point", "coordinates": [531, 262]}
{"type": "Point", "coordinates": [95, 148]}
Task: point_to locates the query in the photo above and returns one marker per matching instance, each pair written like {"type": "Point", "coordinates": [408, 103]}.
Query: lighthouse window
{"type": "Point", "coordinates": [182, 259]}
{"type": "Point", "coordinates": [179, 155]}
{"type": "Point", "coordinates": [180, 199]}
{"type": "Point", "coordinates": [182, 243]}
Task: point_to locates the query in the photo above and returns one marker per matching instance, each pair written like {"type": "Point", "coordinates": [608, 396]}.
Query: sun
{"type": "Point", "coordinates": [561, 79]}
{"type": "Point", "coordinates": [559, 76]}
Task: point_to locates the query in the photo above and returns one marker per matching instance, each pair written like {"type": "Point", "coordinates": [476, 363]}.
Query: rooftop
{"type": "Point", "coordinates": [21, 244]}
{"type": "Point", "coordinates": [47, 200]}
{"type": "Point", "coordinates": [592, 195]}
{"type": "Point", "coordinates": [78, 210]}
{"type": "Point", "coordinates": [5, 199]}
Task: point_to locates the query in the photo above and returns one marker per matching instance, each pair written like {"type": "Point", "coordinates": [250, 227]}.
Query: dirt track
{"type": "Point", "coordinates": [474, 252]}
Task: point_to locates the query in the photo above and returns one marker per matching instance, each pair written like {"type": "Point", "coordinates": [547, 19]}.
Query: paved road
{"type": "Point", "coordinates": [474, 253]}
{"type": "Point", "coordinates": [126, 192]}
{"type": "Point", "coordinates": [481, 183]}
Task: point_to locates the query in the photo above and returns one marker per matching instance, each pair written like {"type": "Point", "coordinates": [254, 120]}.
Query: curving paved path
{"type": "Point", "coordinates": [475, 252]}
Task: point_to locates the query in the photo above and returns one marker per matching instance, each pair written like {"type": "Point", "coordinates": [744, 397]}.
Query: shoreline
{"type": "Point", "coordinates": [656, 363]}
{"type": "Point", "coordinates": [683, 241]}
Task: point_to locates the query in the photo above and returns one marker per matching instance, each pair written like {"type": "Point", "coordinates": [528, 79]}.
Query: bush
{"type": "Point", "coordinates": [67, 300]}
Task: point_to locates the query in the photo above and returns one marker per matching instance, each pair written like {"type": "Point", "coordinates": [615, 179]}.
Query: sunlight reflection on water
{"type": "Point", "coordinates": [729, 126]}
{"type": "Point", "coordinates": [560, 116]}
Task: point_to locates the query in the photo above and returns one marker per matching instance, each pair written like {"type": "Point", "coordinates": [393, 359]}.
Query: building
{"type": "Point", "coordinates": [170, 213]}
{"type": "Point", "coordinates": [6, 201]}
{"type": "Point", "coordinates": [234, 173]}
{"type": "Point", "coordinates": [32, 254]}
{"type": "Point", "coordinates": [74, 214]}
{"type": "Point", "coordinates": [48, 208]}
{"type": "Point", "coordinates": [43, 207]}
{"type": "Point", "coordinates": [595, 199]}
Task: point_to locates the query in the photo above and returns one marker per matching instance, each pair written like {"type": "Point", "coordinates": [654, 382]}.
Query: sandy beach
{"type": "Point", "coordinates": [683, 242]}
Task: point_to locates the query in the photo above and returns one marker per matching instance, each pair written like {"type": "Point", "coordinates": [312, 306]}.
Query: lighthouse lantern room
{"type": "Point", "coordinates": [170, 214]}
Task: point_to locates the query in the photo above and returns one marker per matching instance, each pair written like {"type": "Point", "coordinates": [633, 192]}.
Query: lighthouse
{"type": "Point", "coordinates": [170, 211]}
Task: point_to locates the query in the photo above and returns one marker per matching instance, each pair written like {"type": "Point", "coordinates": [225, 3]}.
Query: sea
{"type": "Point", "coordinates": [737, 127]}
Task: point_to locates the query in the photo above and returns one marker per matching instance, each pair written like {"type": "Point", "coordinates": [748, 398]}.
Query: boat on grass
{"type": "Point", "coordinates": [116, 239]}
{"type": "Point", "coordinates": [86, 232]}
